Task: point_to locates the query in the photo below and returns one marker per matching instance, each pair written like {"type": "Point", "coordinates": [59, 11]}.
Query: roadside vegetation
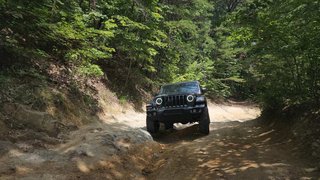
{"type": "Point", "coordinates": [267, 51]}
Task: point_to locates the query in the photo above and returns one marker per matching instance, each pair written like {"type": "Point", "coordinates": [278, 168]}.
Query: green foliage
{"type": "Point", "coordinates": [52, 29]}
{"type": "Point", "coordinates": [123, 100]}
{"type": "Point", "coordinates": [191, 44]}
{"type": "Point", "coordinates": [134, 43]}
{"type": "Point", "coordinates": [91, 69]}
{"type": "Point", "coordinates": [283, 50]}
{"type": "Point", "coordinates": [254, 48]}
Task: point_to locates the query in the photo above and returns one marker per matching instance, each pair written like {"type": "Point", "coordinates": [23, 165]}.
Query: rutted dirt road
{"type": "Point", "coordinates": [238, 147]}
{"type": "Point", "coordinates": [235, 149]}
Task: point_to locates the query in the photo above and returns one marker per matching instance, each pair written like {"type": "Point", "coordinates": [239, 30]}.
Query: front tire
{"type": "Point", "coordinates": [204, 123]}
{"type": "Point", "coordinates": [168, 126]}
{"type": "Point", "coordinates": [152, 126]}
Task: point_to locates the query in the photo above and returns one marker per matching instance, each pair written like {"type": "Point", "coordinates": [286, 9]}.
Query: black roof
{"type": "Point", "coordinates": [182, 82]}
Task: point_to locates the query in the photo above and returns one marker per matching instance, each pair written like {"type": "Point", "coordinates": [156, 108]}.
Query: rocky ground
{"type": "Point", "coordinates": [118, 147]}
{"type": "Point", "coordinates": [233, 150]}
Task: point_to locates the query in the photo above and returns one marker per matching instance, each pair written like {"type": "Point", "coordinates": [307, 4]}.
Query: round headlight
{"type": "Point", "coordinates": [190, 98]}
{"type": "Point", "coordinates": [159, 101]}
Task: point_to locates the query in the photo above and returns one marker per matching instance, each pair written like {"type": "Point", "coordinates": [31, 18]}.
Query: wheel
{"type": "Point", "coordinates": [204, 122]}
{"type": "Point", "coordinates": [168, 125]}
{"type": "Point", "coordinates": [152, 126]}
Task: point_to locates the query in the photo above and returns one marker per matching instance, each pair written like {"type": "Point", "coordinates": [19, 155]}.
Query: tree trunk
{"type": "Point", "coordinates": [128, 75]}
{"type": "Point", "coordinates": [93, 4]}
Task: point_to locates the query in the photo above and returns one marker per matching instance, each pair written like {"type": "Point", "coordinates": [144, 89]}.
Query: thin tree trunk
{"type": "Point", "coordinates": [128, 75]}
{"type": "Point", "coordinates": [93, 4]}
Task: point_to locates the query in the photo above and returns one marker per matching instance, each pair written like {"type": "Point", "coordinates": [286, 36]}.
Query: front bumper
{"type": "Point", "coordinates": [176, 114]}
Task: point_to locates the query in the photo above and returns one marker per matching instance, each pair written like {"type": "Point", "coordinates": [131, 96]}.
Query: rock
{"type": "Point", "coordinates": [155, 155]}
{"type": "Point", "coordinates": [108, 140]}
{"type": "Point", "coordinates": [315, 144]}
{"type": "Point", "coordinates": [25, 147]}
{"type": "Point", "coordinates": [2, 117]}
{"type": "Point", "coordinates": [96, 130]}
{"type": "Point", "coordinates": [84, 153]}
{"type": "Point", "coordinates": [140, 136]}
{"type": "Point", "coordinates": [146, 171]}
{"type": "Point", "coordinates": [6, 146]}
{"type": "Point", "coordinates": [310, 170]}
{"type": "Point", "coordinates": [314, 154]}
{"type": "Point", "coordinates": [3, 128]}
{"type": "Point", "coordinates": [9, 108]}
{"type": "Point", "coordinates": [220, 174]}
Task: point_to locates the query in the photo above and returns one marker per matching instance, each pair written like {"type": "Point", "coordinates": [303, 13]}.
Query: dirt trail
{"type": "Point", "coordinates": [120, 148]}
{"type": "Point", "coordinates": [235, 149]}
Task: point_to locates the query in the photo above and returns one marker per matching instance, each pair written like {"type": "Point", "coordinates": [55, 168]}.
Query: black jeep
{"type": "Point", "coordinates": [182, 102]}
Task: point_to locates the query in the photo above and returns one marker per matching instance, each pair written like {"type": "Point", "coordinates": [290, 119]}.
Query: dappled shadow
{"type": "Point", "coordinates": [188, 133]}
{"type": "Point", "coordinates": [234, 151]}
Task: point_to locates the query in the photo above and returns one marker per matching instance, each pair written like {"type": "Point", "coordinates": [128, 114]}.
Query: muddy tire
{"type": "Point", "coordinates": [204, 123]}
{"type": "Point", "coordinates": [152, 126]}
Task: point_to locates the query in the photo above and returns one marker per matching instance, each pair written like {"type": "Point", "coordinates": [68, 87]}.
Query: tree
{"type": "Point", "coordinates": [283, 49]}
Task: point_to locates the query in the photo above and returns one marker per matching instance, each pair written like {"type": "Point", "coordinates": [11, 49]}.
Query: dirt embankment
{"type": "Point", "coordinates": [37, 145]}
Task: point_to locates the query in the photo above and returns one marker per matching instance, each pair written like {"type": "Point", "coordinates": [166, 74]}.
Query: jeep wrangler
{"type": "Point", "coordinates": [182, 102]}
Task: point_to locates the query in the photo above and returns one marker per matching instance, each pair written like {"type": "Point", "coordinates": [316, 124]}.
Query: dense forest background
{"type": "Point", "coordinates": [266, 50]}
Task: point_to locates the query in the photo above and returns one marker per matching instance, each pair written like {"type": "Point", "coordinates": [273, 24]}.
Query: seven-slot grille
{"type": "Point", "coordinates": [174, 101]}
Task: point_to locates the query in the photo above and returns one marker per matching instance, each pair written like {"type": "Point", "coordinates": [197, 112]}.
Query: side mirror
{"type": "Point", "coordinates": [204, 90]}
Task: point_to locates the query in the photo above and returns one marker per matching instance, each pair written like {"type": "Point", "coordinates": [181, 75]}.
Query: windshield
{"type": "Point", "coordinates": [181, 88]}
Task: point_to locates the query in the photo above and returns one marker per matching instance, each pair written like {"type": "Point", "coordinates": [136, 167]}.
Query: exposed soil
{"type": "Point", "coordinates": [238, 147]}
